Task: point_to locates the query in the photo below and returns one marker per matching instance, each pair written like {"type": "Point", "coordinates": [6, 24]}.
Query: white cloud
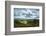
{"type": "Point", "coordinates": [29, 14]}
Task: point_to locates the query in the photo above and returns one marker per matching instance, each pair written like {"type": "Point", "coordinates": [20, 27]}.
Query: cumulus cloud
{"type": "Point", "coordinates": [26, 13]}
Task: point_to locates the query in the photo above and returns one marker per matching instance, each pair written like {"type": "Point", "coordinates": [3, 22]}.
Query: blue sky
{"type": "Point", "coordinates": [28, 13]}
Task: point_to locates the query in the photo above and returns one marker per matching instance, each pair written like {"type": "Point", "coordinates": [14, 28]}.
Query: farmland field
{"type": "Point", "coordinates": [26, 23]}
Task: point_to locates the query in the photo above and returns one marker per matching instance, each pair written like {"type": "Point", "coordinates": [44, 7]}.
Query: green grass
{"type": "Point", "coordinates": [26, 23]}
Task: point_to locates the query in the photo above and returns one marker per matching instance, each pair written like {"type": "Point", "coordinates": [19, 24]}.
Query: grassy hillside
{"type": "Point", "coordinates": [26, 23]}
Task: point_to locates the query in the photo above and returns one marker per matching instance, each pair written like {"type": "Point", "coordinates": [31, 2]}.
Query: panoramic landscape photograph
{"type": "Point", "coordinates": [26, 17]}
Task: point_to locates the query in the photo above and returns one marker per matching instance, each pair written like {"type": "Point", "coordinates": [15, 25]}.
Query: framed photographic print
{"type": "Point", "coordinates": [24, 17]}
